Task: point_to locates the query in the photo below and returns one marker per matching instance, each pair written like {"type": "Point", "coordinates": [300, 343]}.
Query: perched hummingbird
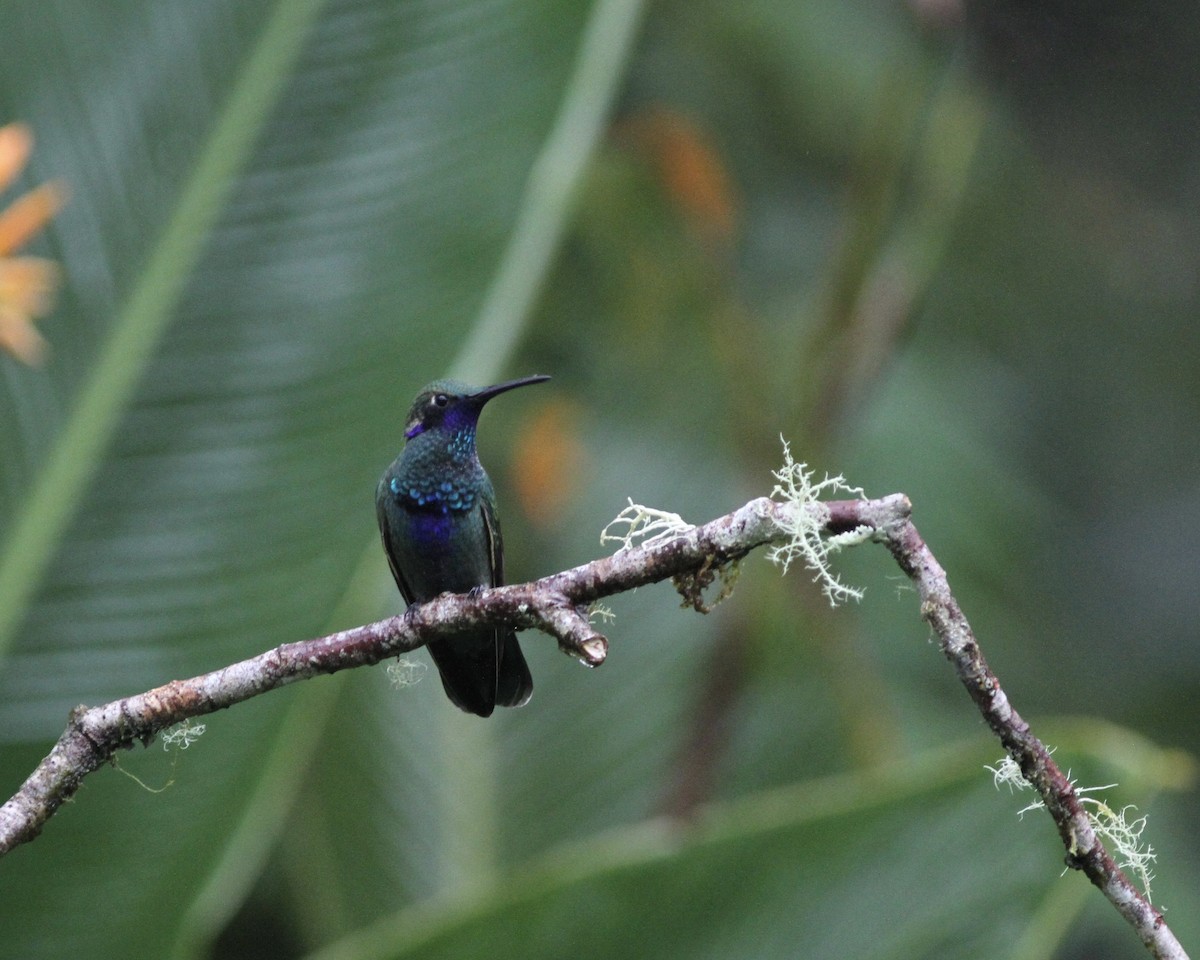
{"type": "Point", "coordinates": [437, 517]}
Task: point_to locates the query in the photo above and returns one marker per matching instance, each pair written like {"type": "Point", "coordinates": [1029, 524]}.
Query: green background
{"type": "Point", "coordinates": [950, 253]}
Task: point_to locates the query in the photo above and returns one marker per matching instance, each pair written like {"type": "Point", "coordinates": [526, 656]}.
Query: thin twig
{"type": "Point", "coordinates": [558, 605]}
{"type": "Point", "coordinates": [1084, 849]}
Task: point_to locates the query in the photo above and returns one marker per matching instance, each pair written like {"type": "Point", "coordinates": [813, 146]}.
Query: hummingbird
{"type": "Point", "coordinates": [437, 517]}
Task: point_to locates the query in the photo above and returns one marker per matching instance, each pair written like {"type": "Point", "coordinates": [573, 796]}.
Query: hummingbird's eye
{"type": "Point", "coordinates": [440, 399]}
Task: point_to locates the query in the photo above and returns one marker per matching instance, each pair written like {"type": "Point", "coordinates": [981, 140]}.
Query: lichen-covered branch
{"type": "Point", "coordinates": [692, 557]}
{"type": "Point", "coordinates": [556, 605]}
{"type": "Point", "coordinates": [1084, 849]}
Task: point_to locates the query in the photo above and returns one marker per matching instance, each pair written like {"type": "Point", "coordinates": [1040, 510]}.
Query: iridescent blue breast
{"type": "Point", "coordinates": [435, 496]}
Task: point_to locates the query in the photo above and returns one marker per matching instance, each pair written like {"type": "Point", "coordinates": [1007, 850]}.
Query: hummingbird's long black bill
{"type": "Point", "coordinates": [481, 397]}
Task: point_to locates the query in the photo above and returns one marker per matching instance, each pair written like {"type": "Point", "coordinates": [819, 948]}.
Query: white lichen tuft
{"type": "Point", "coordinates": [182, 735]}
{"type": "Point", "coordinates": [1123, 836]}
{"type": "Point", "coordinates": [1007, 773]}
{"type": "Point", "coordinates": [802, 525]}
{"type": "Point", "coordinates": [644, 526]}
{"type": "Point", "coordinates": [598, 611]}
{"type": "Point", "coordinates": [405, 673]}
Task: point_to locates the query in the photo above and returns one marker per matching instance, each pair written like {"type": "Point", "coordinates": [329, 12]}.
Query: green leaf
{"type": "Point", "coordinates": [912, 861]}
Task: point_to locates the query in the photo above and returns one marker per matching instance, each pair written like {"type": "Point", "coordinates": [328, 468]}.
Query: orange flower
{"type": "Point", "coordinates": [27, 284]}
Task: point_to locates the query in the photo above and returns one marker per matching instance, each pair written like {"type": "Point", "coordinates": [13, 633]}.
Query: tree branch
{"type": "Point", "coordinates": [557, 605]}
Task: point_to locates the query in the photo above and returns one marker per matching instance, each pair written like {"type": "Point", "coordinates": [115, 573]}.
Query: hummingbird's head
{"type": "Point", "coordinates": [455, 406]}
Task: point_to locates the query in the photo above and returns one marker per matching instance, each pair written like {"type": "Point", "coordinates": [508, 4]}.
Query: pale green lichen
{"type": "Point", "coordinates": [179, 737]}
{"type": "Point", "coordinates": [1123, 835]}
{"type": "Point", "coordinates": [405, 673]}
{"type": "Point", "coordinates": [644, 526]}
{"type": "Point", "coordinates": [803, 526]}
{"type": "Point", "coordinates": [182, 735]}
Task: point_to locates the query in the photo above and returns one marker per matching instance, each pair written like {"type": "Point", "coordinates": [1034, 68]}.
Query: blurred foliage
{"type": "Point", "coordinates": [946, 251]}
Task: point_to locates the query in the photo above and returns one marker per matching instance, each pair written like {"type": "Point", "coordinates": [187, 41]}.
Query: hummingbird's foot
{"type": "Point", "coordinates": [474, 592]}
